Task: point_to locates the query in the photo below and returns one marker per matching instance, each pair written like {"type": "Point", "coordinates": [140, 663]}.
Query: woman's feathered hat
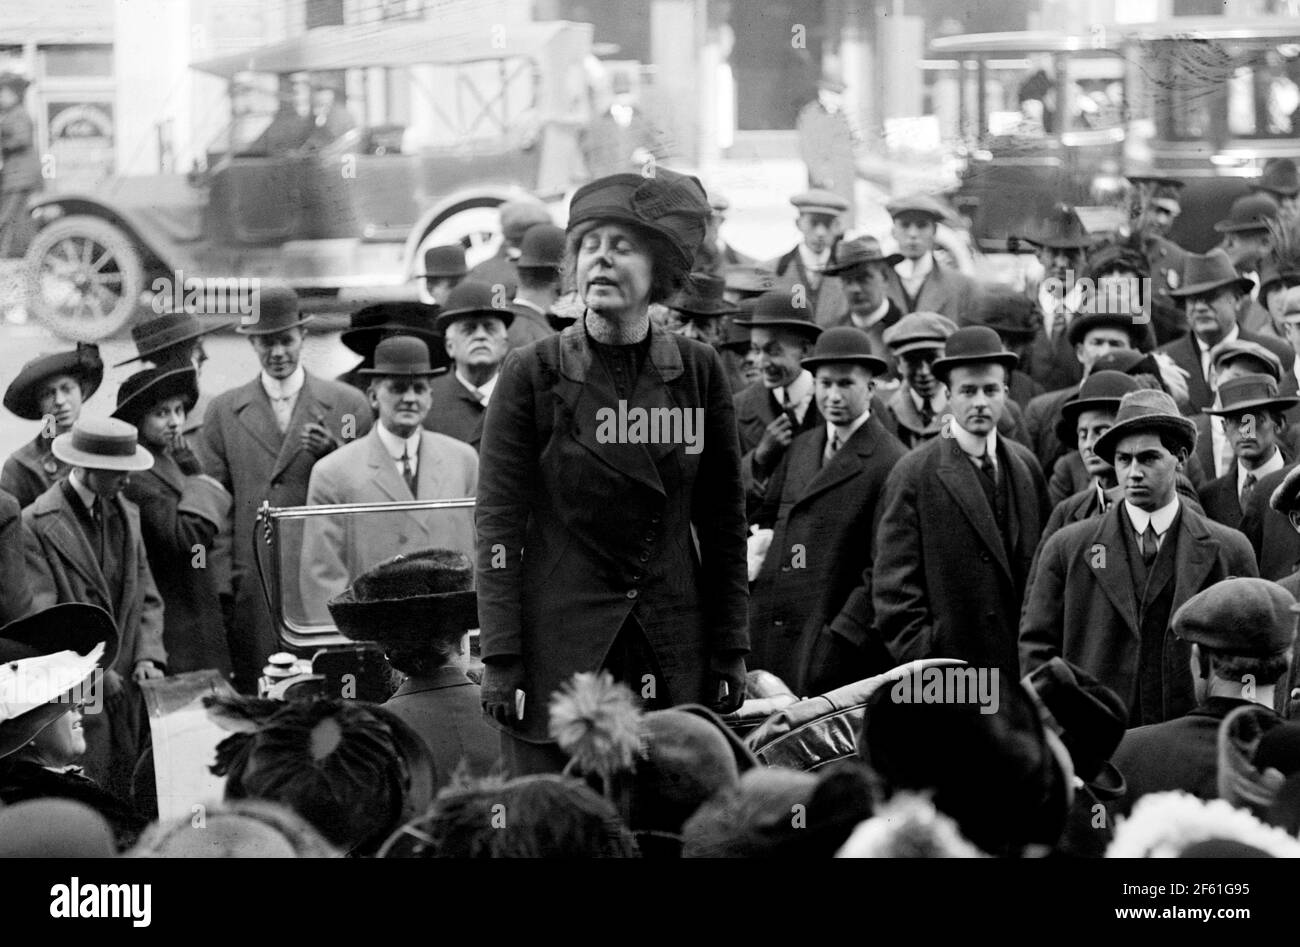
{"type": "Point", "coordinates": [672, 205]}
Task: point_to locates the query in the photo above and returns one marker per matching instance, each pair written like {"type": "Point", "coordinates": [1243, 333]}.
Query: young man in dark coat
{"type": "Point", "coordinates": [1238, 636]}
{"type": "Point", "coordinates": [919, 282]}
{"type": "Point", "coordinates": [801, 272]}
{"type": "Point", "coordinates": [915, 412]}
{"type": "Point", "coordinates": [810, 609]}
{"type": "Point", "coordinates": [864, 271]}
{"type": "Point", "coordinates": [1104, 590]}
{"type": "Point", "coordinates": [961, 520]}
{"type": "Point", "coordinates": [1252, 415]}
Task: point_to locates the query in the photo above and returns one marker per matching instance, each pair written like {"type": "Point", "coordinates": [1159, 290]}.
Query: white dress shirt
{"type": "Point", "coordinates": [1204, 349]}
{"type": "Point", "coordinates": [284, 395]}
{"type": "Point", "coordinates": [867, 321]}
{"type": "Point", "coordinates": [814, 263]}
{"type": "Point", "coordinates": [85, 493]}
{"type": "Point", "coordinates": [845, 431]}
{"type": "Point", "coordinates": [975, 445]}
{"type": "Point", "coordinates": [912, 273]}
{"type": "Point", "coordinates": [1160, 519]}
{"type": "Point", "coordinates": [1224, 457]}
{"type": "Point", "coordinates": [1272, 465]}
{"type": "Point", "coordinates": [483, 393]}
{"type": "Point", "coordinates": [938, 401]}
{"type": "Point", "coordinates": [398, 447]}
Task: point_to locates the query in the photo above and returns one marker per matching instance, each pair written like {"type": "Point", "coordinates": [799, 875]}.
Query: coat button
{"type": "Point", "coordinates": [654, 520]}
{"type": "Point", "coordinates": [645, 557]}
{"type": "Point", "coordinates": [785, 568]}
{"type": "Point", "coordinates": [631, 593]}
{"type": "Point", "coordinates": [650, 536]}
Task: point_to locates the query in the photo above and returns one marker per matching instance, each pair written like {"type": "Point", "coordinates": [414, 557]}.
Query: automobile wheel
{"type": "Point", "coordinates": [84, 277]}
{"type": "Point", "coordinates": [477, 229]}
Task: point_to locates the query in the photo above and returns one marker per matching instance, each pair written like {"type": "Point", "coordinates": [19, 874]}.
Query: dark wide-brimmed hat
{"type": "Point", "coordinates": [1146, 410]}
{"type": "Point", "coordinates": [1100, 391]}
{"type": "Point", "coordinates": [73, 626]}
{"type": "Point", "coordinates": [1239, 616]}
{"type": "Point", "coordinates": [845, 345]}
{"type": "Point", "coordinates": [403, 355]}
{"type": "Point", "coordinates": [1010, 314]}
{"type": "Point", "coordinates": [1060, 230]}
{"type": "Point", "coordinates": [167, 331]}
{"type": "Point", "coordinates": [919, 330]}
{"type": "Point", "coordinates": [1089, 717]}
{"type": "Point", "coordinates": [1250, 393]}
{"type": "Point", "coordinates": [375, 322]}
{"type": "Point", "coordinates": [1203, 273]}
{"type": "Point", "coordinates": [472, 300]}
{"type": "Point", "coordinates": [670, 205]}
{"type": "Point", "coordinates": [22, 397]}
{"type": "Point", "coordinates": [445, 262]}
{"type": "Point", "coordinates": [541, 248]}
{"type": "Point", "coordinates": [850, 254]}
{"type": "Point", "coordinates": [1280, 177]}
{"type": "Point", "coordinates": [973, 345]}
{"type": "Point", "coordinates": [410, 601]}
{"type": "Point", "coordinates": [277, 311]}
{"type": "Point", "coordinates": [776, 310]}
{"type": "Point", "coordinates": [1256, 211]}
{"type": "Point", "coordinates": [702, 298]}
{"type": "Point", "coordinates": [146, 389]}
{"type": "Point", "coordinates": [102, 444]}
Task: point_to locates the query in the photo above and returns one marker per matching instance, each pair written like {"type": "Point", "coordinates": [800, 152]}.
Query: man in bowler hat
{"type": "Point", "coordinates": [1104, 589]}
{"type": "Point", "coordinates": [538, 266]}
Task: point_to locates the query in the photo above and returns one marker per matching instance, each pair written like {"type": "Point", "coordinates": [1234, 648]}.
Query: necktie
{"type": "Point", "coordinates": [1150, 543]}
{"type": "Point", "coordinates": [987, 468]}
{"type": "Point", "coordinates": [927, 412]}
{"type": "Point", "coordinates": [1058, 326]}
{"type": "Point", "coordinates": [408, 473]}
{"type": "Point", "coordinates": [832, 447]}
{"type": "Point", "coordinates": [1247, 489]}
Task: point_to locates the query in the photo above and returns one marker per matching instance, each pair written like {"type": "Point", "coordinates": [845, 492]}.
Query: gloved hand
{"type": "Point", "coordinates": [500, 681]}
{"type": "Point", "coordinates": [185, 458]}
{"type": "Point", "coordinates": [725, 669]}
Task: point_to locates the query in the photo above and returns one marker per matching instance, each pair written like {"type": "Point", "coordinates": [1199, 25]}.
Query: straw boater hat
{"type": "Point", "coordinates": [1146, 410]}
{"type": "Point", "coordinates": [102, 444]}
{"type": "Point", "coordinates": [145, 389]}
{"type": "Point", "coordinates": [168, 331]}
{"type": "Point", "coordinates": [471, 300]}
{"type": "Point", "coordinates": [277, 311]}
{"type": "Point", "coordinates": [83, 363]}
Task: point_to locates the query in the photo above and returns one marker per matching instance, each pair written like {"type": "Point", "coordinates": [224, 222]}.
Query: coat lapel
{"type": "Point", "coordinates": [958, 474]}
{"type": "Point", "coordinates": [66, 536]}
{"type": "Point", "coordinates": [1196, 554]}
{"type": "Point", "coordinates": [165, 470]}
{"type": "Point", "coordinates": [846, 464]}
{"type": "Point", "coordinates": [1026, 504]}
{"type": "Point", "coordinates": [1107, 558]}
{"type": "Point", "coordinates": [383, 473]}
{"type": "Point", "coordinates": [310, 406]}
{"type": "Point", "coordinates": [253, 409]}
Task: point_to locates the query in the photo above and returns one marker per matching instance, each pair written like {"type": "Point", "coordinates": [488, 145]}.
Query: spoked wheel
{"type": "Point", "coordinates": [476, 229]}
{"type": "Point", "coordinates": [83, 277]}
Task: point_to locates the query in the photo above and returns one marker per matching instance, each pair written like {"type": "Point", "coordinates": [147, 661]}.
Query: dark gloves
{"type": "Point", "coordinates": [188, 461]}
{"type": "Point", "coordinates": [729, 670]}
{"type": "Point", "coordinates": [501, 679]}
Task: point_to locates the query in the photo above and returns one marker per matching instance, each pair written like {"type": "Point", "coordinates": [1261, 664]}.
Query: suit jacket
{"type": "Point", "coordinates": [1220, 500]}
{"type": "Point", "coordinates": [62, 567]}
{"type": "Point", "coordinates": [1041, 417]}
{"type": "Point", "coordinates": [1186, 354]}
{"type": "Point", "coordinates": [456, 412]}
{"type": "Point", "coordinates": [15, 591]}
{"type": "Point", "coordinates": [529, 325]}
{"type": "Point", "coordinates": [1276, 544]}
{"type": "Point", "coordinates": [243, 450]}
{"type": "Point", "coordinates": [755, 410]}
{"type": "Point", "coordinates": [810, 618]}
{"type": "Point", "coordinates": [1082, 605]}
{"type": "Point", "coordinates": [337, 549]}
{"type": "Point", "coordinates": [31, 470]}
{"type": "Point", "coordinates": [945, 291]}
{"type": "Point", "coordinates": [580, 527]}
{"type": "Point", "coordinates": [179, 519]}
{"type": "Point", "coordinates": [827, 304]}
{"type": "Point", "coordinates": [1053, 363]}
{"type": "Point", "coordinates": [445, 709]}
{"type": "Point", "coordinates": [944, 585]}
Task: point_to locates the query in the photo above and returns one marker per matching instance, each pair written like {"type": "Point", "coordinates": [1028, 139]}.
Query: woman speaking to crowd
{"type": "Point", "coordinates": [599, 551]}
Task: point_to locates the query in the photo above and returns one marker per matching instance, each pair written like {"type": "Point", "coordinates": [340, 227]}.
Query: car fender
{"type": "Point", "coordinates": [171, 254]}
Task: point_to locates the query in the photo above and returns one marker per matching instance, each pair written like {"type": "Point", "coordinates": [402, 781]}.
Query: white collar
{"type": "Point", "coordinates": [915, 269]}
{"type": "Point", "coordinates": [1272, 465]}
{"type": "Point", "coordinates": [813, 262]}
{"type": "Point", "coordinates": [937, 400]}
{"type": "Point", "coordinates": [398, 447]}
{"type": "Point", "coordinates": [975, 445]}
{"type": "Point", "coordinates": [87, 495]}
{"type": "Point", "coordinates": [286, 388]}
{"type": "Point", "coordinates": [1161, 519]}
{"type": "Point", "coordinates": [484, 392]}
{"type": "Point", "coordinates": [866, 322]}
{"type": "Point", "coordinates": [845, 431]}
{"type": "Point", "coordinates": [1232, 335]}
{"type": "Point", "coordinates": [799, 390]}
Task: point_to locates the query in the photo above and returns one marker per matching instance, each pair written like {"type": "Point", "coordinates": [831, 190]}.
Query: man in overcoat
{"type": "Point", "coordinates": [801, 272]}
{"type": "Point", "coordinates": [920, 283]}
{"type": "Point", "coordinates": [475, 326]}
{"type": "Point", "coordinates": [1252, 413]}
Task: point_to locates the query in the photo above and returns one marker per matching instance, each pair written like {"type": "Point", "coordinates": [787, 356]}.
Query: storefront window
{"type": "Point", "coordinates": [73, 61]}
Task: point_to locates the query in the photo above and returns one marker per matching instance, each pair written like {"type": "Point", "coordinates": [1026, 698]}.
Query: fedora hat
{"type": "Point", "coordinates": [277, 311]}
{"type": "Point", "coordinates": [167, 331]}
{"type": "Point", "coordinates": [1257, 211]}
{"type": "Point", "coordinates": [471, 300]}
{"type": "Point", "coordinates": [776, 310]}
{"type": "Point", "coordinates": [401, 355]}
{"type": "Point", "coordinates": [1060, 230]}
{"type": "Point", "coordinates": [1100, 391]}
{"type": "Point", "coordinates": [1209, 271]}
{"type": "Point", "coordinates": [670, 205]}
{"type": "Point", "coordinates": [410, 601]}
{"type": "Point", "coordinates": [445, 262]}
{"type": "Point", "coordinates": [820, 201]}
{"type": "Point", "coordinates": [372, 323]}
{"type": "Point", "coordinates": [1089, 717]}
{"type": "Point", "coordinates": [1145, 410]}
{"type": "Point", "coordinates": [737, 339]}
{"type": "Point", "coordinates": [73, 627]}
{"type": "Point", "coordinates": [22, 397]}
{"type": "Point", "coordinates": [1280, 177]}
{"type": "Point", "coordinates": [973, 345]}
{"type": "Point", "coordinates": [845, 345]}
{"type": "Point", "coordinates": [922, 204]}
{"type": "Point", "coordinates": [542, 246]}
{"type": "Point", "coordinates": [149, 387]}
{"type": "Point", "coordinates": [1010, 314]}
{"type": "Point", "coordinates": [702, 297]}
{"type": "Point", "coordinates": [860, 252]}
{"type": "Point", "coordinates": [102, 444]}
{"type": "Point", "coordinates": [749, 280]}
{"type": "Point", "coordinates": [1248, 392]}
{"type": "Point", "coordinates": [919, 330]}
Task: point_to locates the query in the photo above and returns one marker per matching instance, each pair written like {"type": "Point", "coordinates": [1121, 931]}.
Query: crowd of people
{"type": "Point", "coordinates": [845, 552]}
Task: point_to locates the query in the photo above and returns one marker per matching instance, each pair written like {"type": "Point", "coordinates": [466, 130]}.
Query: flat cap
{"type": "Point", "coordinates": [1225, 352]}
{"type": "Point", "coordinates": [1240, 616]}
{"type": "Point", "coordinates": [819, 201]}
{"type": "Point", "coordinates": [1287, 495]}
{"type": "Point", "coordinates": [917, 204]}
{"type": "Point", "coordinates": [919, 330]}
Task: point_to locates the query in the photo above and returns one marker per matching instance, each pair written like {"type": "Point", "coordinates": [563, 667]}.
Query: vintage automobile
{"type": "Point", "coordinates": [488, 116]}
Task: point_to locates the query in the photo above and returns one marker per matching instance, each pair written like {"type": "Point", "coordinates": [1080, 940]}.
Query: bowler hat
{"type": "Point", "coordinates": [702, 297]}
{"type": "Point", "coordinates": [973, 345]}
{"type": "Point", "coordinates": [860, 252]}
{"type": "Point", "coordinates": [1256, 211]}
{"type": "Point", "coordinates": [35, 693]}
{"type": "Point", "coordinates": [922, 204]}
{"type": "Point", "coordinates": [1010, 314]}
{"type": "Point", "coordinates": [670, 205]}
{"type": "Point", "coordinates": [1287, 495]}
{"type": "Point", "coordinates": [472, 300]}
{"type": "Point", "coordinates": [776, 310]}
{"type": "Point", "coordinates": [445, 262]}
{"type": "Point", "coordinates": [1250, 392]}
{"type": "Point", "coordinates": [167, 331]}
{"type": "Point", "coordinates": [370, 324]}
{"type": "Point", "coordinates": [1239, 616]}
{"type": "Point", "coordinates": [1061, 230]}
{"type": "Point", "coordinates": [542, 246]}
{"type": "Point", "coordinates": [146, 389]}
{"type": "Point", "coordinates": [277, 311]}
{"type": "Point", "coordinates": [919, 330]}
{"type": "Point", "coordinates": [1203, 273]}
{"type": "Point", "coordinates": [401, 355]}
{"type": "Point", "coordinates": [1279, 177]}
{"type": "Point", "coordinates": [518, 217]}
{"type": "Point", "coordinates": [1089, 718]}
{"type": "Point", "coordinates": [410, 601]}
{"type": "Point", "coordinates": [22, 397]}
{"type": "Point", "coordinates": [820, 201]}
{"type": "Point", "coordinates": [1145, 410]}
{"type": "Point", "coordinates": [845, 345]}
{"type": "Point", "coordinates": [1226, 352]}
{"type": "Point", "coordinates": [102, 444]}
{"type": "Point", "coordinates": [1100, 391]}
{"type": "Point", "coordinates": [748, 279]}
